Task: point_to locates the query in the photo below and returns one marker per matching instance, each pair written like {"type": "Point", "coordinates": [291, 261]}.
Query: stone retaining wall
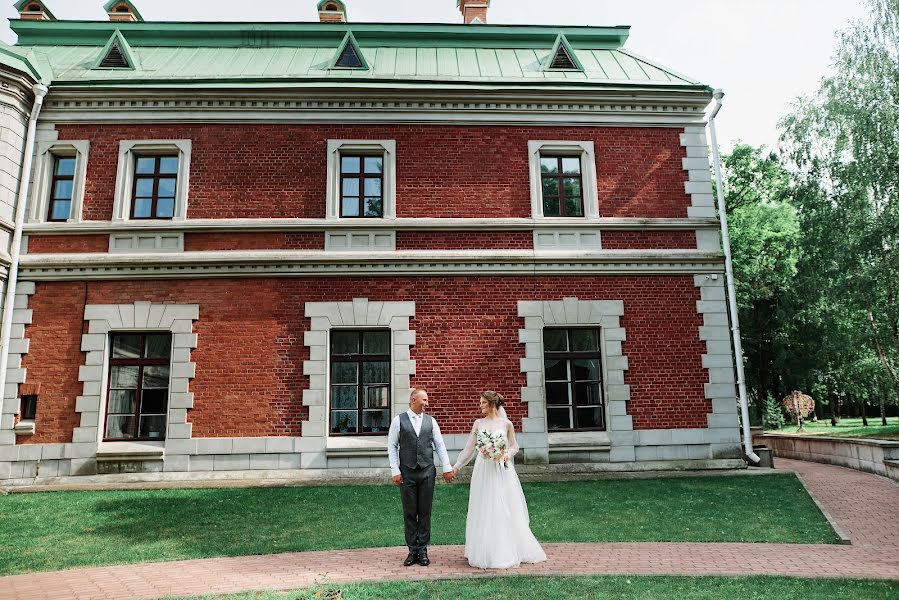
{"type": "Point", "coordinates": [860, 454]}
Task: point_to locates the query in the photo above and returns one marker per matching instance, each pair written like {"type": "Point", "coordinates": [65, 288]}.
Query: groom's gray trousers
{"type": "Point", "coordinates": [417, 493]}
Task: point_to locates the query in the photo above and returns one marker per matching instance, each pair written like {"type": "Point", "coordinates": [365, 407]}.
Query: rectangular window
{"type": "Point", "coordinates": [155, 187]}
{"type": "Point", "coordinates": [562, 187]}
{"type": "Point", "coordinates": [29, 408]}
{"type": "Point", "coordinates": [360, 382]}
{"type": "Point", "coordinates": [138, 386]}
{"type": "Point", "coordinates": [572, 367]}
{"type": "Point", "coordinates": [61, 188]}
{"type": "Point", "coordinates": [361, 186]}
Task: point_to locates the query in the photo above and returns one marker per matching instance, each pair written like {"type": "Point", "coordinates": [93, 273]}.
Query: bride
{"type": "Point", "coordinates": [497, 532]}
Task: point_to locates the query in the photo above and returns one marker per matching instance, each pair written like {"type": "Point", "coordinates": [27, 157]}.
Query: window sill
{"type": "Point", "coordinates": [112, 451]}
{"type": "Point", "coordinates": [570, 441]}
{"type": "Point", "coordinates": [24, 428]}
{"type": "Point", "coordinates": [351, 446]}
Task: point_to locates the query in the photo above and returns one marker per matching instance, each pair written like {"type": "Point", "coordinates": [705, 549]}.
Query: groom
{"type": "Point", "coordinates": [411, 442]}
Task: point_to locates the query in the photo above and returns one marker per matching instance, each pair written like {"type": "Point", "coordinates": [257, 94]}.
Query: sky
{"type": "Point", "coordinates": [762, 53]}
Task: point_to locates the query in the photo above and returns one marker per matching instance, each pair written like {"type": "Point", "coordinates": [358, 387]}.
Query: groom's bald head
{"type": "Point", "coordinates": [418, 400]}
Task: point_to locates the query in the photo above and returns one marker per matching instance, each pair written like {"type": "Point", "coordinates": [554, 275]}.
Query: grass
{"type": "Point", "coordinates": [600, 588]}
{"type": "Point", "coordinates": [850, 428]}
{"type": "Point", "coordinates": [50, 531]}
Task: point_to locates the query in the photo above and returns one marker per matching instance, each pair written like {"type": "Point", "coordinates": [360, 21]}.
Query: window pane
{"type": "Point", "coordinates": [344, 421]}
{"type": "Point", "coordinates": [65, 166]}
{"type": "Point", "coordinates": [558, 418]}
{"type": "Point", "coordinates": [344, 342]}
{"type": "Point", "coordinates": [584, 340]}
{"type": "Point", "coordinates": [573, 207]}
{"type": "Point", "coordinates": [375, 420]}
{"type": "Point", "coordinates": [571, 166]}
{"type": "Point", "coordinates": [374, 164]}
{"type": "Point", "coordinates": [344, 372]}
{"type": "Point", "coordinates": [156, 376]}
{"type": "Point", "coordinates": [126, 346]}
{"type": "Point", "coordinates": [372, 187]}
{"type": "Point", "coordinates": [549, 165]}
{"type": "Point", "coordinates": [122, 401]}
{"type": "Point", "coordinates": [123, 377]}
{"type": "Point", "coordinates": [349, 164]}
{"type": "Point", "coordinates": [588, 394]}
{"type": "Point", "coordinates": [377, 396]}
{"type": "Point", "coordinates": [350, 187]}
{"type": "Point", "coordinates": [376, 372]}
{"type": "Point", "coordinates": [144, 188]}
{"type": "Point", "coordinates": [589, 417]}
{"type": "Point", "coordinates": [63, 190]}
{"type": "Point", "coordinates": [586, 370]}
{"type": "Point", "coordinates": [120, 426]}
{"type": "Point", "coordinates": [376, 342]}
{"type": "Point", "coordinates": [550, 187]}
{"type": "Point", "coordinates": [558, 393]}
{"type": "Point", "coordinates": [145, 164]}
{"type": "Point", "coordinates": [154, 402]}
{"type": "Point", "coordinates": [555, 340]}
{"type": "Point", "coordinates": [158, 346]}
{"type": "Point", "coordinates": [551, 207]}
{"type": "Point", "coordinates": [142, 207]}
{"type": "Point", "coordinates": [344, 396]}
{"type": "Point", "coordinates": [165, 208]}
{"type": "Point", "coordinates": [29, 408]}
{"type": "Point", "coordinates": [351, 207]}
{"type": "Point", "coordinates": [556, 370]}
{"type": "Point", "coordinates": [168, 164]}
{"type": "Point", "coordinates": [572, 187]}
{"type": "Point", "coordinates": [167, 187]}
{"type": "Point", "coordinates": [152, 426]}
{"type": "Point", "coordinates": [61, 210]}
{"type": "Point", "coordinates": [373, 207]}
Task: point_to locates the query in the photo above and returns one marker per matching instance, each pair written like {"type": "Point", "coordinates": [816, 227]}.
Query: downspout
{"type": "Point", "coordinates": [21, 200]}
{"type": "Point", "coordinates": [731, 290]}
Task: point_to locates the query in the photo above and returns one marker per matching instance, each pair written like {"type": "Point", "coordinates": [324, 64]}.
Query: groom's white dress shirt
{"type": "Point", "coordinates": [393, 442]}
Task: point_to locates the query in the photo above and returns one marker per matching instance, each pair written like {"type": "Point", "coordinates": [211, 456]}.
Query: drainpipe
{"type": "Point", "coordinates": [731, 291]}
{"type": "Point", "coordinates": [21, 200]}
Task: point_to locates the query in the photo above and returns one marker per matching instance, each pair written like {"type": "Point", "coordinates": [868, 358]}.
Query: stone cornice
{"type": "Point", "coordinates": [404, 224]}
{"type": "Point", "coordinates": [403, 263]}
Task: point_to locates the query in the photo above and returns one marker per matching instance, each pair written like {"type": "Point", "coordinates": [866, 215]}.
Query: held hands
{"type": "Point", "coordinates": [449, 476]}
{"type": "Point", "coordinates": [397, 479]}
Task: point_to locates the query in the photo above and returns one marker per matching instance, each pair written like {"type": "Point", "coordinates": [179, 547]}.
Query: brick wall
{"type": "Point", "coordinates": [465, 240]}
{"type": "Point", "coordinates": [249, 360]}
{"type": "Point", "coordinates": [254, 241]}
{"type": "Point", "coordinates": [649, 240]}
{"type": "Point", "coordinates": [259, 171]}
{"type": "Point", "coordinates": [44, 244]}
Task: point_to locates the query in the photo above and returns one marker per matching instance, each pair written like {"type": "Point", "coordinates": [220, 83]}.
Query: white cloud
{"type": "Point", "coordinates": [763, 53]}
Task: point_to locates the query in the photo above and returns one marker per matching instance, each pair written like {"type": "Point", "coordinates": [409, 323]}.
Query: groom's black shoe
{"type": "Point", "coordinates": [411, 559]}
{"type": "Point", "coordinates": [423, 559]}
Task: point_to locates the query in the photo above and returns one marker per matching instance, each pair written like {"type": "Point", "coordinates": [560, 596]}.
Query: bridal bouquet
{"type": "Point", "coordinates": [492, 446]}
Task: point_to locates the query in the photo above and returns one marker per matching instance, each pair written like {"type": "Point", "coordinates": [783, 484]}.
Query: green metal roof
{"type": "Point", "coordinates": [246, 52]}
{"type": "Point", "coordinates": [22, 61]}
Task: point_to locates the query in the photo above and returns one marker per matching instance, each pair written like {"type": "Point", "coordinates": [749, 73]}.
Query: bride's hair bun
{"type": "Point", "coordinates": [493, 398]}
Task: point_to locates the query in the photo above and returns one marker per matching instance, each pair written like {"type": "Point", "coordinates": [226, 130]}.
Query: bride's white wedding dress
{"type": "Point", "coordinates": [497, 532]}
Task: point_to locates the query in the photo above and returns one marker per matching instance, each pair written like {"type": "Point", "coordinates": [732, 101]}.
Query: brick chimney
{"type": "Point", "coordinates": [331, 11]}
{"type": "Point", "coordinates": [122, 10]}
{"type": "Point", "coordinates": [474, 12]}
{"type": "Point", "coordinates": [34, 10]}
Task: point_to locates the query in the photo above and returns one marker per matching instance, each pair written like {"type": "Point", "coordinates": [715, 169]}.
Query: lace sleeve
{"type": "Point", "coordinates": [467, 452]}
{"type": "Point", "coordinates": [513, 445]}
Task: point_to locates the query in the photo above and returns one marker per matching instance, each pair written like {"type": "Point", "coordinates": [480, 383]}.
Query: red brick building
{"type": "Point", "coordinates": [244, 244]}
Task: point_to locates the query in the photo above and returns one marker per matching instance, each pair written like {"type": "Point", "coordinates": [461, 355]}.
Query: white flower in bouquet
{"type": "Point", "coordinates": [493, 446]}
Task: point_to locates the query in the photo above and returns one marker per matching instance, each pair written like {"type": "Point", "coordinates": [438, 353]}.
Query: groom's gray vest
{"type": "Point", "coordinates": [416, 451]}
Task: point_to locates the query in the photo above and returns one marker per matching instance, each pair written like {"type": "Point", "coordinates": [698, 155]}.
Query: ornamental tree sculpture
{"type": "Point", "coordinates": [800, 405]}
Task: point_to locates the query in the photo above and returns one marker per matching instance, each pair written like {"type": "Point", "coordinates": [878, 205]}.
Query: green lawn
{"type": "Point", "coordinates": [851, 428]}
{"type": "Point", "coordinates": [48, 531]}
{"type": "Point", "coordinates": [600, 588]}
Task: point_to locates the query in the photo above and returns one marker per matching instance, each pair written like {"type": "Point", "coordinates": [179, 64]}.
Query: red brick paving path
{"type": "Point", "coordinates": [866, 507]}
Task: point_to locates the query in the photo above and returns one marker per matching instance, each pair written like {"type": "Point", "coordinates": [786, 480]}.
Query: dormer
{"type": "Point", "coordinates": [122, 10]}
{"type": "Point", "coordinates": [331, 11]}
{"type": "Point", "coordinates": [34, 10]}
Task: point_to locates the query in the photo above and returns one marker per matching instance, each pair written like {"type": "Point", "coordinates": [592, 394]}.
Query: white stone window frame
{"type": "Point", "coordinates": [604, 315]}
{"type": "Point", "coordinates": [45, 162]}
{"type": "Point", "coordinates": [106, 319]}
{"type": "Point", "coordinates": [360, 313]}
{"type": "Point", "coordinates": [586, 152]}
{"type": "Point", "coordinates": [386, 148]}
{"type": "Point", "coordinates": [129, 150]}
